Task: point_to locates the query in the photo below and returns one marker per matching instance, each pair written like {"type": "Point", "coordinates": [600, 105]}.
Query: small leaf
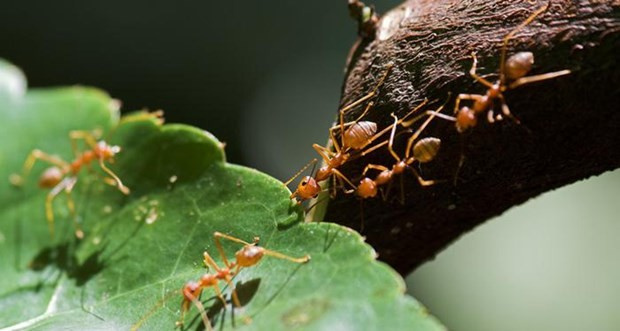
{"type": "Point", "coordinates": [140, 249]}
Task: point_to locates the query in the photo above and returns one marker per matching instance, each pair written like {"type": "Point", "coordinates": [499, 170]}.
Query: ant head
{"type": "Point", "coordinates": [426, 149]}
{"type": "Point", "coordinates": [465, 119]}
{"type": "Point", "coordinates": [518, 65]}
{"type": "Point", "coordinates": [367, 188]}
{"type": "Point", "coordinates": [106, 151]}
{"type": "Point", "coordinates": [50, 177]}
{"type": "Point", "coordinates": [249, 255]}
{"type": "Point", "coordinates": [308, 188]}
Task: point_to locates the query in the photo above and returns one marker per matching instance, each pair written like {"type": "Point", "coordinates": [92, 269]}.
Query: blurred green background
{"type": "Point", "coordinates": [265, 77]}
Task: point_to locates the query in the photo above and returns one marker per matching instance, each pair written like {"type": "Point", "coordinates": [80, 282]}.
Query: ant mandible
{"type": "Point", "coordinates": [62, 175]}
{"type": "Point", "coordinates": [248, 256]}
{"type": "Point", "coordinates": [513, 69]}
{"type": "Point", "coordinates": [423, 151]}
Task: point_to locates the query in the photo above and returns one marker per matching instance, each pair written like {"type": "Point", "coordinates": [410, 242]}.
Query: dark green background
{"type": "Point", "coordinates": [265, 77]}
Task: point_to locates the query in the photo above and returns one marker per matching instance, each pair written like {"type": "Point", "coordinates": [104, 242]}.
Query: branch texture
{"type": "Point", "coordinates": [570, 126]}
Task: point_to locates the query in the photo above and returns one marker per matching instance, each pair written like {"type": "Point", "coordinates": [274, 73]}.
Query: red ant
{"type": "Point", "coordinates": [513, 69]}
{"type": "Point", "coordinates": [354, 136]}
{"type": "Point", "coordinates": [62, 175]}
{"type": "Point", "coordinates": [248, 256]}
{"type": "Point", "coordinates": [423, 151]}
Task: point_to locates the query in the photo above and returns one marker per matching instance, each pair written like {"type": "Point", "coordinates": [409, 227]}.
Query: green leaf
{"type": "Point", "coordinates": [140, 249]}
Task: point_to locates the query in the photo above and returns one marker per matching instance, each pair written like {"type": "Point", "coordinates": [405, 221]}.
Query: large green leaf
{"type": "Point", "coordinates": [140, 249]}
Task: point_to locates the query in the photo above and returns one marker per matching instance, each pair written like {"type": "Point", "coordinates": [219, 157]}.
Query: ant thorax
{"type": "Point", "coordinates": [323, 173]}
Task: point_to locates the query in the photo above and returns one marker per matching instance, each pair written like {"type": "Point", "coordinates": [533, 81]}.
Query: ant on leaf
{"type": "Point", "coordinates": [248, 256]}
{"type": "Point", "coordinates": [63, 175]}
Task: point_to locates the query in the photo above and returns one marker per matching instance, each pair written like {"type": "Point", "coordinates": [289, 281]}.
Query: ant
{"type": "Point", "coordinates": [309, 187]}
{"type": "Point", "coordinates": [423, 151]}
{"type": "Point", "coordinates": [249, 255]}
{"type": "Point", "coordinates": [62, 175]}
{"type": "Point", "coordinates": [354, 136]}
{"type": "Point", "coordinates": [365, 16]}
{"type": "Point", "coordinates": [513, 69]}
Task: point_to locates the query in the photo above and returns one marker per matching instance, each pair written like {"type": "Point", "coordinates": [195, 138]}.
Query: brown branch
{"type": "Point", "coordinates": [570, 126]}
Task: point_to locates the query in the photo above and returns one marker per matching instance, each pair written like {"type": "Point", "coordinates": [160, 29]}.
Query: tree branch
{"type": "Point", "coordinates": [570, 126]}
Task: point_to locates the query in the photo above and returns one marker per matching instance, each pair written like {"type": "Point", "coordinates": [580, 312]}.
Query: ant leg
{"type": "Point", "coordinates": [220, 249]}
{"type": "Point", "coordinates": [157, 116]}
{"type": "Point", "coordinates": [341, 126]}
{"type": "Point", "coordinates": [279, 255]}
{"type": "Point", "coordinates": [421, 180]}
{"type": "Point", "coordinates": [375, 167]}
{"type": "Point", "coordinates": [209, 262]}
{"type": "Point", "coordinates": [537, 78]}
{"type": "Point", "coordinates": [203, 314]}
{"type": "Point", "coordinates": [364, 98]}
{"type": "Point", "coordinates": [218, 292]}
{"type": "Point", "coordinates": [88, 137]}
{"type": "Point", "coordinates": [334, 187]}
{"type": "Point", "coordinates": [462, 96]}
{"type": "Point", "coordinates": [506, 110]}
{"type": "Point", "coordinates": [474, 75]}
{"type": "Point", "coordinates": [323, 152]}
{"type": "Point", "coordinates": [419, 131]}
{"type": "Point", "coordinates": [340, 175]}
{"type": "Point", "coordinates": [71, 205]}
{"type": "Point", "coordinates": [391, 140]}
{"type": "Point", "coordinates": [119, 184]}
{"type": "Point", "coordinates": [389, 128]}
{"type": "Point", "coordinates": [509, 36]}
{"type": "Point", "coordinates": [300, 171]}
{"type": "Point", "coordinates": [377, 146]}
{"type": "Point", "coordinates": [374, 148]}
{"type": "Point", "coordinates": [233, 290]}
{"type": "Point", "coordinates": [18, 180]}
{"type": "Point", "coordinates": [442, 116]}
{"type": "Point", "coordinates": [49, 209]}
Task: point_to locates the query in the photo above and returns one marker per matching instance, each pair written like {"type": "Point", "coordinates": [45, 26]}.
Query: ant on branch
{"type": "Point", "coordinates": [512, 69]}
{"type": "Point", "coordinates": [354, 136]}
{"type": "Point", "coordinates": [248, 256]}
{"type": "Point", "coordinates": [62, 175]}
{"type": "Point", "coordinates": [423, 151]}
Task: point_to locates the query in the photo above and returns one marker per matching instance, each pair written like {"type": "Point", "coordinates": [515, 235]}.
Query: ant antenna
{"type": "Point", "coordinates": [300, 171]}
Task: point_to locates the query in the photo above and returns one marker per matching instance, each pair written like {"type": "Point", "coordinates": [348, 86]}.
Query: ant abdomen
{"type": "Point", "coordinates": [358, 134]}
{"type": "Point", "coordinates": [50, 177]}
{"type": "Point", "coordinates": [518, 65]}
{"type": "Point", "coordinates": [426, 149]}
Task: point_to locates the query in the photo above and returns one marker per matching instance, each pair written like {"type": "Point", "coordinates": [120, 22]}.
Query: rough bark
{"type": "Point", "coordinates": [570, 126]}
